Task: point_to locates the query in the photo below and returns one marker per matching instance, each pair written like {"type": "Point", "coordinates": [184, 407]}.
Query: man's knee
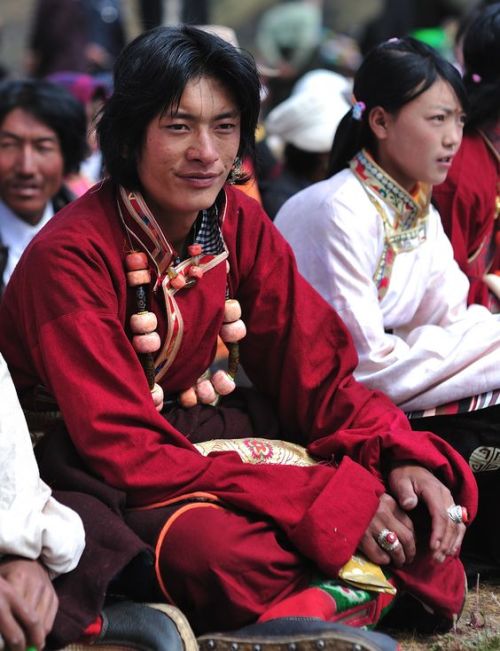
{"type": "Point", "coordinates": [221, 565]}
{"type": "Point", "coordinates": [206, 536]}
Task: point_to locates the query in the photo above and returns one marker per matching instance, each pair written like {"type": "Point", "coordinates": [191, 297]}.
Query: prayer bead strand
{"type": "Point", "coordinates": [195, 251]}
{"type": "Point", "coordinates": [207, 390]}
{"type": "Point", "coordinates": [143, 323]}
{"type": "Point", "coordinates": [232, 331]}
{"type": "Point", "coordinates": [146, 340]}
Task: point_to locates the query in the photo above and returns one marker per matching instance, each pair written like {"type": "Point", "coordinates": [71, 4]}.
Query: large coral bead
{"type": "Point", "coordinates": [195, 272]}
{"type": "Point", "coordinates": [232, 310]}
{"type": "Point", "coordinates": [232, 332]}
{"type": "Point", "coordinates": [205, 392]}
{"type": "Point", "coordinates": [178, 281]}
{"type": "Point", "coordinates": [143, 323]}
{"type": "Point", "coordinates": [223, 383]}
{"type": "Point", "coordinates": [194, 250]}
{"type": "Point", "coordinates": [147, 343]}
{"type": "Point", "coordinates": [136, 260]}
{"type": "Point", "coordinates": [157, 395]}
{"type": "Point", "coordinates": [138, 277]}
{"type": "Point", "coordinates": [188, 398]}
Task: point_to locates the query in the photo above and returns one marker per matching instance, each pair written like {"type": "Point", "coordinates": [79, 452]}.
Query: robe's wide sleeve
{"type": "Point", "coordinates": [299, 352]}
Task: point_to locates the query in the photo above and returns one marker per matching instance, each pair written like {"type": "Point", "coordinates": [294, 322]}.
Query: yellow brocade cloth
{"type": "Point", "coordinates": [358, 571]}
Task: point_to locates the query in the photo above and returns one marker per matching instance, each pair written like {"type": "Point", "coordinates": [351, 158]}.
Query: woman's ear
{"type": "Point", "coordinates": [378, 120]}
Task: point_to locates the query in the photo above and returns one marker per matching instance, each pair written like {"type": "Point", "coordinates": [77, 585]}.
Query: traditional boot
{"type": "Point", "coordinates": [297, 634]}
{"type": "Point", "coordinates": [147, 627]}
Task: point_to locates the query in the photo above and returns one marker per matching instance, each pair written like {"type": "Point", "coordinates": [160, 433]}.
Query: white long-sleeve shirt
{"type": "Point", "coordinates": [419, 343]}
{"type": "Point", "coordinates": [32, 523]}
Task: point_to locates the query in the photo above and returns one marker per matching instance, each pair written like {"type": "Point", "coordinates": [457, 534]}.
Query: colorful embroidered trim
{"type": "Point", "coordinates": [463, 406]}
{"type": "Point", "coordinates": [355, 606]}
{"type": "Point", "coordinates": [409, 228]}
{"type": "Point", "coordinates": [143, 229]}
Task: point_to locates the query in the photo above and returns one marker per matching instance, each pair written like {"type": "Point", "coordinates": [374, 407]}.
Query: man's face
{"type": "Point", "coordinates": [187, 154]}
{"type": "Point", "coordinates": [31, 164]}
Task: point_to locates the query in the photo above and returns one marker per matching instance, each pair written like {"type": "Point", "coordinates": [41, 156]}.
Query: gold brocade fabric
{"type": "Point", "coordinates": [362, 573]}
{"type": "Point", "coordinates": [358, 571]}
{"type": "Point", "coordinates": [260, 450]}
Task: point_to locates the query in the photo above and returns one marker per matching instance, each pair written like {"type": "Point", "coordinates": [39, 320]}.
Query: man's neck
{"type": "Point", "coordinates": [177, 231]}
{"type": "Point", "coordinates": [32, 220]}
{"type": "Point", "coordinates": [28, 218]}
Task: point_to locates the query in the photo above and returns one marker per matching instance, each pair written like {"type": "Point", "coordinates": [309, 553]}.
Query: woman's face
{"type": "Point", "coordinates": [417, 144]}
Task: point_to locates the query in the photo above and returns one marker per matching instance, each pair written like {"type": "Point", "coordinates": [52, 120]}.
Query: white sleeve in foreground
{"type": "Point", "coordinates": [32, 523]}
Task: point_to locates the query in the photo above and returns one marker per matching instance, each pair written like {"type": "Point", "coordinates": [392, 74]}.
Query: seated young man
{"type": "Point", "coordinates": [146, 270]}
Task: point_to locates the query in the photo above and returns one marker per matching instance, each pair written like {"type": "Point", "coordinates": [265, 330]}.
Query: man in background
{"type": "Point", "coordinates": [42, 140]}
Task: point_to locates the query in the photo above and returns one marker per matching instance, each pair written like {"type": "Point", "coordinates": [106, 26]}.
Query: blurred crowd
{"type": "Point", "coordinates": [307, 53]}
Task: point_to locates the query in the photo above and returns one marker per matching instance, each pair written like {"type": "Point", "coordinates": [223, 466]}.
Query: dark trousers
{"type": "Point", "coordinates": [476, 436]}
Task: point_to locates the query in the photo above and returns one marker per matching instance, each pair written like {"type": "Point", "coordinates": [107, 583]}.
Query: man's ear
{"type": "Point", "coordinates": [378, 120]}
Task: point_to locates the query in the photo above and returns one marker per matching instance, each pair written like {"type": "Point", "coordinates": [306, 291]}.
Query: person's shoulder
{"type": "Point", "coordinates": [473, 150]}
{"type": "Point", "coordinates": [240, 215]}
{"type": "Point", "coordinates": [239, 205]}
{"type": "Point", "coordinates": [93, 207]}
{"type": "Point", "coordinates": [483, 153]}
{"type": "Point", "coordinates": [322, 198]}
{"type": "Point", "coordinates": [85, 220]}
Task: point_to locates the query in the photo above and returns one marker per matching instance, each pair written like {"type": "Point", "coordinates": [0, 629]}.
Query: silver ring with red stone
{"type": "Point", "coordinates": [458, 514]}
{"type": "Point", "coordinates": [388, 540]}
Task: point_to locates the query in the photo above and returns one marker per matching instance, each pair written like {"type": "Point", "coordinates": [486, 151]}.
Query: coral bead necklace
{"type": "Point", "coordinates": [173, 274]}
{"type": "Point", "coordinates": [143, 323]}
{"type": "Point", "coordinates": [146, 341]}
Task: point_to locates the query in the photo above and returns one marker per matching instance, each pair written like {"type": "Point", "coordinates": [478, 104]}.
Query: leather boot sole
{"type": "Point", "coordinates": [340, 638]}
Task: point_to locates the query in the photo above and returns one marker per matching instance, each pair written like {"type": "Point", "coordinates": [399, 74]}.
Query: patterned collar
{"type": "Point", "coordinates": [144, 233]}
{"type": "Point", "coordinates": [143, 229]}
{"type": "Point", "coordinates": [404, 217]}
{"type": "Point", "coordinates": [206, 231]}
{"type": "Point", "coordinates": [409, 209]}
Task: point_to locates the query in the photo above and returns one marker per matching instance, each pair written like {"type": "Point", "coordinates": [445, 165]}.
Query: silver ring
{"type": "Point", "coordinates": [388, 540]}
{"type": "Point", "coordinates": [457, 513]}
